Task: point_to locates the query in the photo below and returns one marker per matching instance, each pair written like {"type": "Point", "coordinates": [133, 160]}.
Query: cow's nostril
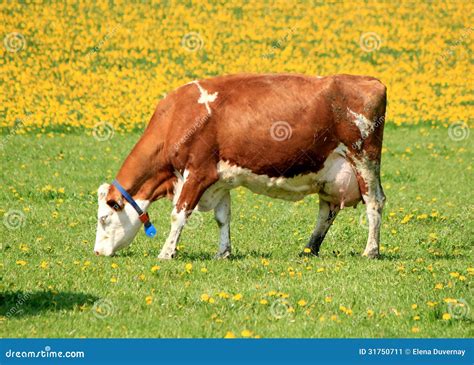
{"type": "Point", "coordinates": [96, 253]}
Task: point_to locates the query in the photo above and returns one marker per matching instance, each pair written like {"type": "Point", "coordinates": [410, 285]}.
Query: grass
{"type": "Point", "coordinates": [53, 285]}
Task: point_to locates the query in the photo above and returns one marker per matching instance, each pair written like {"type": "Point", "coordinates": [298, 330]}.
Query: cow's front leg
{"type": "Point", "coordinates": [327, 214]}
{"type": "Point", "coordinates": [188, 191]}
{"type": "Point", "coordinates": [222, 216]}
{"type": "Point", "coordinates": [178, 220]}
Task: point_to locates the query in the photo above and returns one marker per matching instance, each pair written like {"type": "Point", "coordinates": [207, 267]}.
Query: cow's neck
{"type": "Point", "coordinates": [141, 174]}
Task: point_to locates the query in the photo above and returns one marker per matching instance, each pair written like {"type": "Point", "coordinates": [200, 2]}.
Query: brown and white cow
{"type": "Point", "coordinates": [282, 135]}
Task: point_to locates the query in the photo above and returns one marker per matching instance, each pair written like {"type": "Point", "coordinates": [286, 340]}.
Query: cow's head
{"type": "Point", "coordinates": [118, 223]}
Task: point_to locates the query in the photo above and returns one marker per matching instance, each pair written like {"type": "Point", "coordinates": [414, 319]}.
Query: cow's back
{"type": "Point", "coordinates": [276, 125]}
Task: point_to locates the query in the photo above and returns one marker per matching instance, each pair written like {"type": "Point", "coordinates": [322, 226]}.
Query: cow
{"type": "Point", "coordinates": [281, 135]}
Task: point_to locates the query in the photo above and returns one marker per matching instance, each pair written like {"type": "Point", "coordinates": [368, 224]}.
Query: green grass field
{"type": "Point", "coordinates": [54, 286]}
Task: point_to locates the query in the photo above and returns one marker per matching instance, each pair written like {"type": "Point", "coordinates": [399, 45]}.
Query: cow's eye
{"type": "Point", "coordinates": [117, 206]}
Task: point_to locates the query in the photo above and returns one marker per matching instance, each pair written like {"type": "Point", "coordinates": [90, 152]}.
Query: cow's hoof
{"type": "Point", "coordinates": [222, 255]}
{"type": "Point", "coordinates": [371, 254]}
{"type": "Point", "coordinates": [166, 256]}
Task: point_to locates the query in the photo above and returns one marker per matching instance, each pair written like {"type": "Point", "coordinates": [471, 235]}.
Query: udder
{"type": "Point", "coordinates": [339, 182]}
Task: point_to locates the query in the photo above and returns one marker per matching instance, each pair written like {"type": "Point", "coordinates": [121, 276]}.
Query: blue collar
{"type": "Point", "coordinates": [150, 230]}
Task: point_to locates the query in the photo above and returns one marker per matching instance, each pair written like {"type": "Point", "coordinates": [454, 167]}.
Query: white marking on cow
{"type": "Point", "coordinates": [178, 185]}
{"type": "Point", "coordinates": [205, 98]}
{"type": "Point", "coordinates": [364, 124]}
{"type": "Point", "coordinates": [178, 220]}
{"type": "Point", "coordinates": [336, 181]}
{"type": "Point", "coordinates": [116, 230]}
{"type": "Point", "coordinates": [374, 199]}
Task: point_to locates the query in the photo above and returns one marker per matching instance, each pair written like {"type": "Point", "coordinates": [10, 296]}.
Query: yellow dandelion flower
{"type": "Point", "coordinates": [263, 301]}
{"type": "Point", "coordinates": [307, 250]}
{"type": "Point", "coordinates": [439, 286]}
{"type": "Point", "coordinates": [205, 297]}
{"type": "Point", "coordinates": [406, 218]}
{"type": "Point", "coordinates": [446, 316]}
{"type": "Point", "coordinates": [148, 299]}
{"type": "Point", "coordinates": [113, 279]}
{"type": "Point", "coordinates": [246, 333]}
{"type": "Point", "coordinates": [416, 318]}
{"type": "Point", "coordinates": [114, 265]}
{"type": "Point", "coordinates": [188, 267]}
{"type": "Point", "coordinates": [302, 303]}
{"type": "Point", "coordinates": [328, 299]}
{"type": "Point", "coordinates": [155, 268]}
{"type": "Point", "coordinates": [44, 264]}
{"type": "Point", "coordinates": [415, 329]}
{"type": "Point", "coordinates": [414, 306]}
{"type": "Point", "coordinates": [229, 334]}
{"type": "Point", "coordinates": [21, 262]}
{"type": "Point", "coordinates": [203, 270]}
{"type": "Point", "coordinates": [370, 312]}
{"type": "Point", "coordinates": [237, 297]}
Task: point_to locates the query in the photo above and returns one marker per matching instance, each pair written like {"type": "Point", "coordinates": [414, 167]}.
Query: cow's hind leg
{"type": "Point", "coordinates": [187, 194]}
{"type": "Point", "coordinates": [327, 214]}
{"type": "Point", "coordinates": [374, 199]}
{"type": "Point", "coordinates": [222, 216]}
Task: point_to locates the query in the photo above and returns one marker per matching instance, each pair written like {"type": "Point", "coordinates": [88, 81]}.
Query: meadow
{"type": "Point", "coordinates": [78, 85]}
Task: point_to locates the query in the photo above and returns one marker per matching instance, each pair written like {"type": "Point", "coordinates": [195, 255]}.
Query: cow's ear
{"type": "Point", "coordinates": [103, 191]}
{"type": "Point", "coordinates": [116, 205]}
